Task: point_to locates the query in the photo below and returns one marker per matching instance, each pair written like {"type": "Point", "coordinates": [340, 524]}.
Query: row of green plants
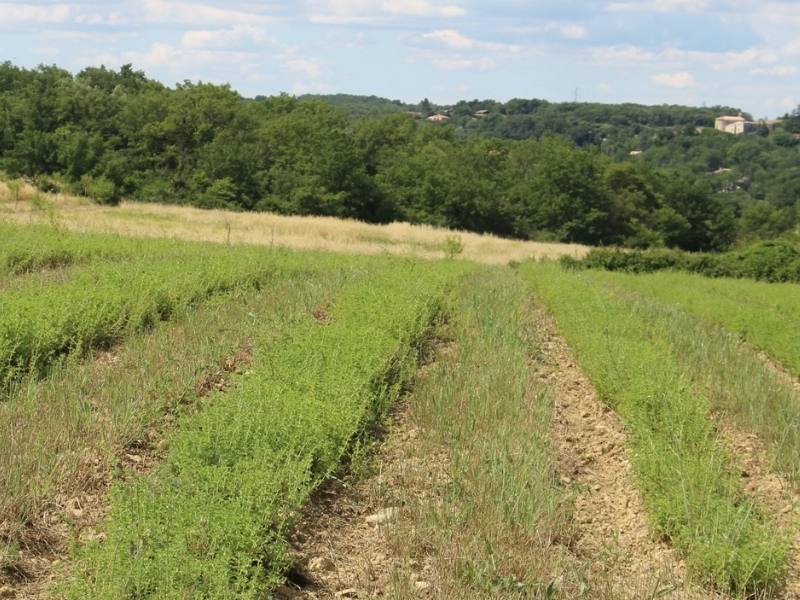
{"type": "Point", "coordinates": [773, 261]}
{"type": "Point", "coordinates": [34, 248]}
{"type": "Point", "coordinates": [30, 248]}
{"type": "Point", "coordinates": [741, 387]}
{"type": "Point", "coordinates": [692, 494]}
{"type": "Point", "coordinates": [766, 315]}
{"type": "Point", "coordinates": [89, 410]}
{"type": "Point", "coordinates": [210, 521]}
{"type": "Point", "coordinates": [502, 528]}
{"type": "Point", "coordinates": [101, 303]}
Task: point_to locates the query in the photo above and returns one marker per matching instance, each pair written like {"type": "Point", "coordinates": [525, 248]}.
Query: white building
{"type": "Point", "coordinates": [734, 125]}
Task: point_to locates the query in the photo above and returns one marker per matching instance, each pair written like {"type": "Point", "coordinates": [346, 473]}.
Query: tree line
{"type": "Point", "coordinates": [110, 134]}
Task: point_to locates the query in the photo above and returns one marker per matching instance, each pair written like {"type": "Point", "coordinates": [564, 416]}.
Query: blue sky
{"type": "Point", "coordinates": [738, 52]}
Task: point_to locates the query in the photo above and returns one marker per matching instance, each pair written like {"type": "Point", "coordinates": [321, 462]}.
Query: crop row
{"type": "Point", "coordinates": [103, 302]}
{"type": "Point", "coordinates": [27, 248]}
{"type": "Point", "coordinates": [767, 315]}
{"type": "Point", "coordinates": [692, 495]}
{"type": "Point", "coordinates": [209, 522]}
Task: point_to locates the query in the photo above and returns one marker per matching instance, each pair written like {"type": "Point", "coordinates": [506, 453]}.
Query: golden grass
{"type": "Point", "coordinates": [308, 233]}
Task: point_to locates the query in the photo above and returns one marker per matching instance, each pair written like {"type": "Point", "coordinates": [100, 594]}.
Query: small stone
{"type": "Point", "coordinates": [321, 564]}
{"type": "Point", "coordinates": [383, 517]}
{"type": "Point", "coordinates": [348, 593]}
{"type": "Point", "coordinates": [565, 480]}
{"type": "Point", "coordinates": [422, 586]}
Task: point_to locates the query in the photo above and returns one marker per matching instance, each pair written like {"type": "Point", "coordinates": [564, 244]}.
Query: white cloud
{"type": "Point", "coordinates": [12, 13]}
{"type": "Point", "coordinates": [194, 13]}
{"type": "Point", "coordinates": [221, 38]}
{"type": "Point", "coordinates": [314, 87]}
{"type": "Point", "coordinates": [335, 12]}
{"type": "Point", "coordinates": [113, 18]}
{"type": "Point", "coordinates": [661, 6]}
{"type": "Point", "coordinates": [776, 71]}
{"type": "Point", "coordinates": [605, 55]}
{"type": "Point", "coordinates": [309, 67]}
{"type": "Point", "coordinates": [573, 31]}
{"type": "Point", "coordinates": [681, 79]}
{"type": "Point", "coordinates": [787, 102]}
{"type": "Point", "coordinates": [454, 40]}
{"type": "Point", "coordinates": [456, 63]}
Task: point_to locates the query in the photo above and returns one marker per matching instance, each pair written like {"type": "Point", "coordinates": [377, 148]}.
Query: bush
{"type": "Point", "coordinates": [773, 261]}
{"type": "Point", "coordinates": [100, 189]}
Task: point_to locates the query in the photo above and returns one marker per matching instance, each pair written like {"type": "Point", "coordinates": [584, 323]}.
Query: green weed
{"type": "Point", "coordinates": [209, 522]}
{"type": "Point", "coordinates": [693, 497]}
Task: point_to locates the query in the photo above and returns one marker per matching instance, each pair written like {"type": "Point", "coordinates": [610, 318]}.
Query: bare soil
{"type": "Point", "coordinates": [612, 533]}
{"type": "Point", "coordinates": [773, 492]}
{"type": "Point", "coordinates": [70, 518]}
{"type": "Point", "coordinates": [343, 543]}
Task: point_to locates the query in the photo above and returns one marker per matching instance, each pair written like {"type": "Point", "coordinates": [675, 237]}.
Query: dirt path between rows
{"type": "Point", "coordinates": [344, 542]}
{"type": "Point", "coordinates": [612, 532]}
{"type": "Point", "coordinates": [346, 548]}
{"type": "Point", "coordinates": [72, 517]}
{"type": "Point", "coordinates": [773, 492]}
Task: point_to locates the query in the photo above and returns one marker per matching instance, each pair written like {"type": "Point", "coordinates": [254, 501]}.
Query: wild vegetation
{"type": "Point", "coordinates": [184, 369]}
{"type": "Point", "coordinates": [112, 134]}
{"type": "Point", "coordinates": [209, 520]}
{"type": "Point", "coordinates": [171, 407]}
{"type": "Point", "coordinates": [774, 261]}
{"type": "Point", "coordinates": [693, 496]}
{"type": "Point", "coordinates": [761, 313]}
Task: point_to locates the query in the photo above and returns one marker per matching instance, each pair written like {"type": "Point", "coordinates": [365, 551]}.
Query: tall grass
{"type": "Point", "coordinates": [500, 528]}
{"type": "Point", "coordinates": [209, 522]}
{"type": "Point", "coordinates": [737, 382]}
{"type": "Point", "coordinates": [767, 315]}
{"type": "Point", "coordinates": [102, 303]}
{"type": "Point", "coordinates": [302, 233]}
{"type": "Point", "coordinates": [60, 433]}
{"type": "Point", "coordinates": [692, 496]}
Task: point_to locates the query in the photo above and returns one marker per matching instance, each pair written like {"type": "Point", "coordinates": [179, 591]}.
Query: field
{"type": "Point", "coordinates": [218, 405]}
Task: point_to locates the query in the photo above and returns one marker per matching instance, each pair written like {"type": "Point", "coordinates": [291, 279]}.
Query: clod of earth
{"type": "Point", "coordinates": [383, 517]}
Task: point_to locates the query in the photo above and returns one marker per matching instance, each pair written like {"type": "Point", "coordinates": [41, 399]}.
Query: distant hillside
{"type": "Point", "coordinates": [583, 122]}
{"type": "Point", "coordinates": [360, 106]}
{"type": "Point", "coordinates": [588, 173]}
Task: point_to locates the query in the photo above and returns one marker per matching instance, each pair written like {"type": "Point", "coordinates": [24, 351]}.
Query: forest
{"type": "Point", "coordinates": [527, 169]}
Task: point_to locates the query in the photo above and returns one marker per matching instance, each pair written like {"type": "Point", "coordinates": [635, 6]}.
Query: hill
{"type": "Point", "coordinates": [264, 229]}
{"type": "Point", "coordinates": [526, 169]}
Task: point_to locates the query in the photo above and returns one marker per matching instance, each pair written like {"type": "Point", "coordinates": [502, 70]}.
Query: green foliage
{"type": "Point", "coordinates": [210, 521]}
{"type": "Point", "coordinates": [485, 403]}
{"type": "Point", "coordinates": [98, 304]}
{"type": "Point", "coordinates": [30, 248]}
{"type": "Point", "coordinates": [529, 169]}
{"type": "Point", "coordinates": [100, 189]}
{"type": "Point", "coordinates": [765, 314]}
{"type": "Point", "coordinates": [453, 246]}
{"type": "Point", "coordinates": [773, 261]}
{"type": "Point", "coordinates": [741, 386]}
{"type": "Point", "coordinates": [690, 489]}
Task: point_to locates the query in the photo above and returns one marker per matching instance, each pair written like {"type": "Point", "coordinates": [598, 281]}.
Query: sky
{"type": "Point", "coordinates": [743, 53]}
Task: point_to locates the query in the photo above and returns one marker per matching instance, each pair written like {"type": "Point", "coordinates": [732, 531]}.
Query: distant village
{"type": "Point", "coordinates": [735, 125]}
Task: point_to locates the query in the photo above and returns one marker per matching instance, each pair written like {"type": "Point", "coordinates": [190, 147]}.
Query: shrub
{"type": "Point", "coordinates": [774, 261]}
{"type": "Point", "coordinates": [100, 189]}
